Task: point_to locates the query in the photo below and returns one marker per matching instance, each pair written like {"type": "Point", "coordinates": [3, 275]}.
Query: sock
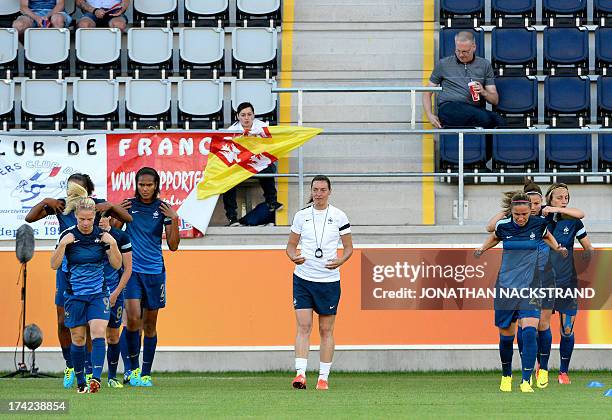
{"type": "Point", "coordinates": [505, 353]}
{"type": "Point", "coordinates": [519, 340]}
{"type": "Point", "coordinates": [77, 355]}
{"type": "Point", "coordinates": [133, 338]}
{"type": "Point", "coordinates": [148, 354]}
{"type": "Point", "coordinates": [544, 344]}
{"type": "Point", "coordinates": [98, 350]}
{"type": "Point", "coordinates": [324, 369]}
{"type": "Point", "coordinates": [123, 346]}
{"type": "Point", "coordinates": [566, 347]}
{"type": "Point", "coordinates": [67, 358]}
{"type": "Point", "coordinates": [530, 349]}
{"type": "Point", "coordinates": [88, 370]}
{"type": "Point", "coordinates": [300, 366]}
{"type": "Point", "coordinates": [112, 357]}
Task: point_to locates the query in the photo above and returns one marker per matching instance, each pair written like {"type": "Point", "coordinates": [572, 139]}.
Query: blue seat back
{"type": "Point", "coordinates": [603, 5]}
{"type": "Point", "coordinates": [474, 148]}
{"type": "Point", "coordinates": [566, 45]}
{"type": "Point", "coordinates": [604, 93]}
{"type": "Point", "coordinates": [517, 94]}
{"type": "Point", "coordinates": [513, 6]}
{"type": "Point", "coordinates": [447, 41]}
{"type": "Point", "coordinates": [568, 149]}
{"type": "Point", "coordinates": [513, 46]}
{"type": "Point", "coordinates": [605, 148]}
{"type": "Point", "coordinates": [564, 6]}
{"type": "Point", "coordinates": [566, 94]}
{"type": "Point", "coordinates": [515, 149]}
{"type": "Point", "coordinates": [603, 44]}
{"type": "Point", "coordinates": [461, 7]}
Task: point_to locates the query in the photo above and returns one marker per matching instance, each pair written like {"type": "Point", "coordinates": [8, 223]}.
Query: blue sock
{"type": "Point", "coordinates": [88, 369]}
{"type": "Point", "coordinates": [519, 340]}
{"type": "Point", "coordinates": [77, 354]}
{"type": "Point", "coordinates": [112, 357]}
{"type": "Point", "coordinates": [530, 349]}
{"type": "Point", "coordinates": [125, 354]}
{"type": "Point", "coordinates": [133, 338]}
{"type": "Point", "coordinates": [505, 353]}
{"type": "Point", "coordinates": [148, 353]}
{"type": "Point", "coordinates": [98, 350]}
{"type": "Point", "coordinates": [67, 358]}
{"type": "Point", "coordinates": [544, 344]}
{"type": "Point", "coordinates": [566, 347]}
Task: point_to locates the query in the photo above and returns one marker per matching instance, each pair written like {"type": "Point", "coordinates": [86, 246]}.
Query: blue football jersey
{"type": "Point", "coordinates": [145, 233]}
{"type": "Point", "coordinates": [565, 231]}
{"type": "Point", "coordinates": [111, 275]}
{"type": "Point", "coordinates": [86, 257]}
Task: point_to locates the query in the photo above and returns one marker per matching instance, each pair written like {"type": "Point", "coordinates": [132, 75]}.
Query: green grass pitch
{"type": "Point", "coordinates": [351, 395]}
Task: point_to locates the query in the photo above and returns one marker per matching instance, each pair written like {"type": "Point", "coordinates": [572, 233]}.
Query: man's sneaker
{"type": "Point", "coordinates": [88, 377]}
{"type": "Point", "coordinates": [564, 378]}
{"type": "Point", "coordinates": [322, 384]}
{"type": "Point", "coordinates": [94, 385]}
{"type": "Point", "coordinates": [126, 377]}
{"type": "Point", "coordinates": [275, 206]}
{"type": "Point", "coordinates": [506, 384]}
{"type": "Point", "coordinates": [299, 382]}
{"type": "Point", "coordinates": [135, 377]}
{"type": "Point", "coordinates": [82, 389]}
{"type": "Point", "coordinates": [542, 378]}
{"type": "Point", "coordinates": [146, 381]}
{"type": "Point", "coordinates": [233, 223]}
{"type": "Point", "coordinates": [525, 387]}
{"type": "Point", "coordinates": [68, 377]}
{"type": "Point", "coordinates": [114, 383]}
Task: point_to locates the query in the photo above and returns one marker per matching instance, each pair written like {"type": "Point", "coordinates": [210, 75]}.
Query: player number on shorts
{"type": "Point", "coordinates": [119, 313]}
{"type": "Point", "coordinates": [162, 295]}
{"type": "Point", "coordinates": [106, 303]}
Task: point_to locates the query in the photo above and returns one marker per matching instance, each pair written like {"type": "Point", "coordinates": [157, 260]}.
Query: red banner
{"type": "Point", "coordinates": [179, 158]}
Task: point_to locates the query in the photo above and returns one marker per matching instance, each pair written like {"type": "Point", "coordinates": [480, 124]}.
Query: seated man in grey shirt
{"type": "Point", "coordinates": [457, 105]}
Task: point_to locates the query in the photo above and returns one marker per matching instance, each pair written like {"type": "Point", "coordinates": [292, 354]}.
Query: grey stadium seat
{"type": "Point", "coordinates": [207, 13]}
{"type": "Point", "coordinates": [47, 52]}
{"type": "Point", "coordinates": [156, 12]}
{"type": "Point", "coordinates": [95, 103]}
{"type": "Point", "coordinates": [201, 52]}
{"type": "Point", "coordinates": [98, 52]}
{"type": "Point", "coordinates": [43, 104]}
{"type": "Point", "coordinates": [9, 11]}
{"type": "Point", "coordinates": [144, 60]}
{"type": "Point", "coordinates": [147, 103]}
{"type": "Point", "coordinates": [259, 94]}
{"type": "Point", "coordinates": [200, 103]}
{"type": "Point", "coordinates": [9, 45]}
{"type": "Point", "coordinates": [258, 12]}
{"type": "Point", "coordinates": [7, 104]}
{"type": "Point", "coordinates": [254, 52]}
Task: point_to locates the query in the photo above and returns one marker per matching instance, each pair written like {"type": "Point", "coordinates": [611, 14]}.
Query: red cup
{"type": "Point", "coordinates": [475, 95]}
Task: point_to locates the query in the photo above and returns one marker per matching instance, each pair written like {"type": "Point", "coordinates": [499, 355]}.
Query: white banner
{"type": "Point", "coordinates": [34, 168]}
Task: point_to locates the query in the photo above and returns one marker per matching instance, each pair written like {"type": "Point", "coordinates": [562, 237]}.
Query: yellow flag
{"type": "Point", "coordinates": [234, 158]}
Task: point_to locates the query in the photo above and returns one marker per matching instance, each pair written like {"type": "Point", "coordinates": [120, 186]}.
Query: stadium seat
{"type": "Point", "coordinates": [515, 151]}
{"type": "Point", "coordinates": [43, 104]}
{"type": "Point", "coordinates": [567, 101]}
{"type": "Point", "coordinates": [9, 45]}
{"type": "Point", "coordinates": [147, 103]}
{"type": "Point", "coordinates": [207, 13]}
{"type": "Point", "coordinates": [98, 52]}
{"type": "Point", "coordinates": [201, 52]}
{"type": "Point", "coordinates": [47, 52]}
{"type": "Point", "coordinates": [258, 13]}
{"type": "Point", "coordinates": [605, 151]}
{"type": "Point", "coordinates": [447, 41]}
{"type": "Point", "coordinates": [7, 104]}
{"type": "Point", "coordinates": [603, 50]}
{"type": "Point", "coordinates": [514, 51]}
{"type": "Point", "coordinates": [602, 10]}
{"type": "Point", "coordinates": [564, 12]}
{"type": "Point", "coordinates": [566, 51]}
{"type": "Point", "coordinates": [200, 103]}
{"type": "Point", "coordinates": [259, 94]}
{"type": "Point", "coordinates": [156, 12]}
{"type": "Point", "coordinates": [604, 101]}
{"type": "Point", "coordinates": [518, 100]}
{"type": "Point", "coordinates": [145, 61]}
{"type": "Point", "coordinates": [462, 13]}
{"type": "Point", "coordinates": [474, 151]}
{"type": "Point", "coordinates": [9, 11]}
{"type": "Point", "coordinates": [513, 13]}
{"type": "Point", "coordinates": [254, 52]}
{"type": "Point", "coordinates": [96, 103]}
{"type": "Point", "coordinates": [563, 150]}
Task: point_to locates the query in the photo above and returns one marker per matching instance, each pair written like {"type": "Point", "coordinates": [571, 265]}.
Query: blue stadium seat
{"type": "Point", "coordinates": [605, 151]}
{"type": "Point", "coordinates": [516, 150]}
{"type": "Point", "coordinates": [568, 150]}
{"type": "Point", "coordinates": [514, 51]}
{"type": "Point", "coordinates": [518, 100]}
{"type": "Point", "coordinates": [447, 41]}
{"type": "Point", "coordinates": [566, 51]}
{"type": "Point", "coordinates": [513, 13]}
{"type": "Point", "coordinates": [564, 12]}
{"type": "Point", "coordinates": [603, 50]}
{"type": "Point", "coordinates": [567, 101]}
{"type": "Point", "coordinates": [462, 13]}
{"type": "Point", "coordinates": [604, 101]}
{"type": "Point", "coordinates": [474, 150]}
{"type": "Point", "coordinates": [602, 10]}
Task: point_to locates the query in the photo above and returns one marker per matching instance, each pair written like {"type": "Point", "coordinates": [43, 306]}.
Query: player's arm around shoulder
{"type": "Point", "coordinates": [65, 239]}
{"type": "Point", "coordinates": [173, 238]}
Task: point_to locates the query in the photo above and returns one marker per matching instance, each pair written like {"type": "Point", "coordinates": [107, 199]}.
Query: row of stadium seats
{"type": "Point", "coordinates": [471, 13]}
{"type": "Point", "coordinates": [95, 103]}
{"type": "Point", "coordinates": [149, 51]}
{"type": "Point", "coordinates": [166, 12]}
{"type": "Point", "coordinates": [514, 51]}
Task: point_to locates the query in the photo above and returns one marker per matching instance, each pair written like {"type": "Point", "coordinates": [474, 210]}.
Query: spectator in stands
{"type": "Point", "coordinates": [103, 13]}
{"type": "Point", "coordinates": [41, 14]}
{"type": "Point", "coordinates": [248, 125]}
{"type": "Point", "coordinates": [456, 105]}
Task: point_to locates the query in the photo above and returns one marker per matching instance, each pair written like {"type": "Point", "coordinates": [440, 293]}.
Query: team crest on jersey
{"type": "Point", "coordinates": [566, 230]}
{"type": "Point", "coordinates": [532, 236]}
{"type": "Point", "coordinates": [330, 221]}
{"type": "Point", "coordinates": [155, 214]}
